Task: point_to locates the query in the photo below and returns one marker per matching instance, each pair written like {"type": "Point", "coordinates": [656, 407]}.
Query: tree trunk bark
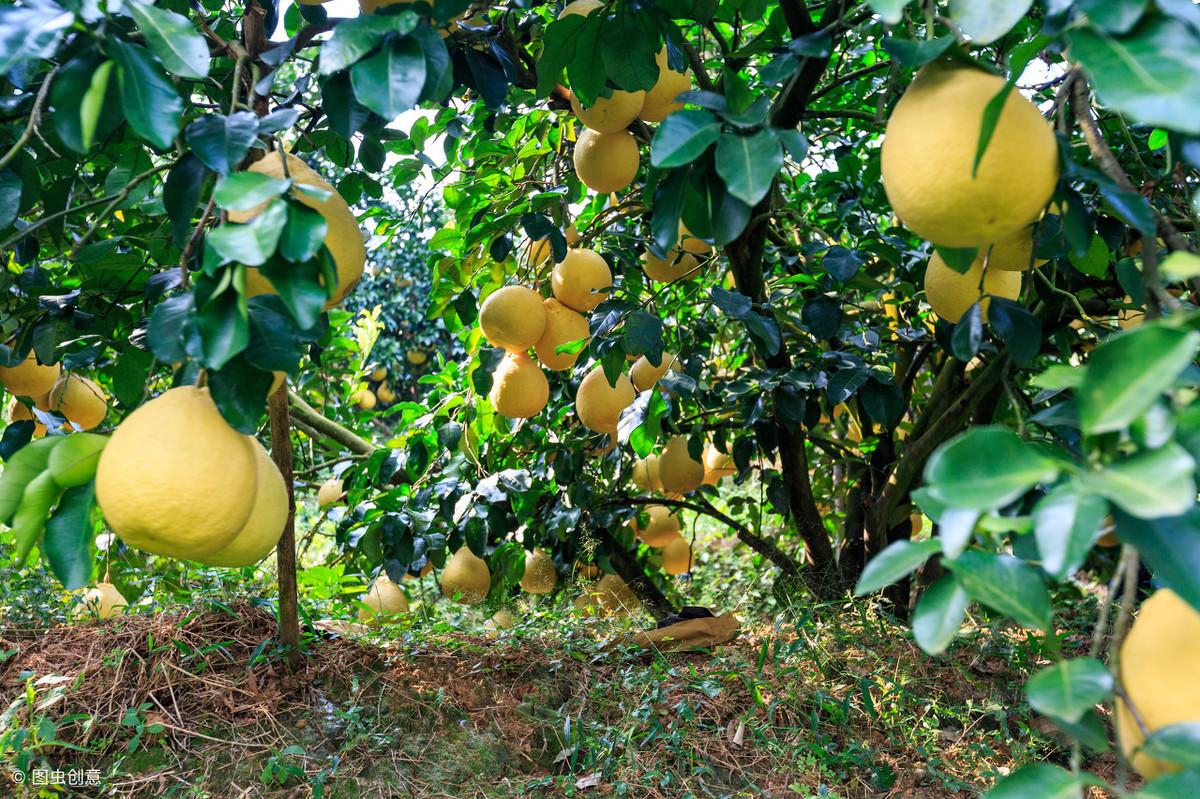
{"type": "Point", "coordinates": [285, 551]}
{"type": "Point", "coordinates": [631, 571]}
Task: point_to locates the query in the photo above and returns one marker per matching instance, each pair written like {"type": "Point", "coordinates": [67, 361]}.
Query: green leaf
{"type": "Point", "coordinates": [69, 533]}
{"type": "Point", "coordinates": [1113, 16]}
{"type": "Point", "coordinates": [1039, 780]}
{"type": "Point", "coordinates": [390, 82]}
{"type": "Point", "coordinates": [1170, 546]}
{"type": "Point", "coordinates": [242, 191]}
{"type": "Point", "coordinates": [629, 51]}
{"type": "Point", "coordinates": [1069, 688]}
{"type": "Point", "coordinates": [254, 242]}
{"type": "Point", "coordinates": [959, 477]}
{"type": "Point", "coordinates": [749, 164]}
{"type": "Point", "coordinates": [167, 329]}
{"type": "Point", "coordinates": [1128, 373]}
{"type": "Point", "coordinates": [985, 21]}
{"type": "Point", "coordinates": [354, 38]}
{"type": "Point", "coordinates": [220, 141]}
{"type": "Point", "coordinates": [1148, 485]}
{"type": "Point", "coordinates": [1185, 785]}
{"type": "Point", "coordinates": [274, 346]}
{"type": "Point", "coordinates": [1095, 261]}
{"type": "Point", "coordinates": [91, 106]}
{"type": "Point", "coordinates": [1181, 265]}
{"type": "Point", "coordinates": [150, 102]}
{"type": "Point", "coordinates": [890, 11]}
{"type": "Point", "coordinates": [1153, 74]}
{"type": "Point", "coordinates": [181, 195]}
{"type": "Point", "coordinates": [898, 560]}
{"type": "Point", "coordinates": [30, 519]}
{"type": "Point", "coordinates": [1066, 523]}
{"type": "Point", "coordinates": [179, 46]}
{"type": "Point", "coordinates": [913, 53]}
{"type": "Point", "coordinates": [30, 31]}
{"type": "Point", "coordinates": [683, 137]}
{"type": "Point", "coordinates": [299, 287]}
{"type": "Point", "coordinates": [240, 392]}
{"type": "Point", "coordinates": [1020, 57]}
{"type": "Point", "coordinates": [585, 70]}
{"type": "Point", "coordinates": [303, 234]}
{"type": "Point", "coordinates": [73, 462]}
{"type": "Point", "coordinates": [23, 466]}
{"type": "Point", "coordinates": [558, 49]}
{"type": "Point", "coordinates": [1178, 743]}
{"type": "Point", "coordinates": [939, 614]}
{"type": "Point", "coordinates": [1005, 584]}
{"type": "Point", "coordinates": [224, 328]}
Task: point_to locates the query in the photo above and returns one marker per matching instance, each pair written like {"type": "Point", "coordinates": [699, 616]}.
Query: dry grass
{"type": "Point", "coordinates": [851, 707]}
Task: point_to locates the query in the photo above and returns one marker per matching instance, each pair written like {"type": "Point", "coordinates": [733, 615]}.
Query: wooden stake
{"type": "Point", "coordinates": [281, 453]}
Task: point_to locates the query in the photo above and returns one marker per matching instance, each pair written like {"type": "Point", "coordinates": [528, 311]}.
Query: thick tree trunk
{"type": "Point", "coordinates": [285, 551]}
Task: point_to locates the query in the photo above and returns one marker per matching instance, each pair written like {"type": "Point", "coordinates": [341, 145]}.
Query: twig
{"type": "Point", "coordinates": [35, 117]}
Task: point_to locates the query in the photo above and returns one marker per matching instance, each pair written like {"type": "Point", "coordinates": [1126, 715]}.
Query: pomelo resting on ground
{"type": "Point", "coordinates": [540, 575]}
{"type": "Point", "coordinates": [384, 598]}
{"type": "Point", "coordinates": [103, 601]}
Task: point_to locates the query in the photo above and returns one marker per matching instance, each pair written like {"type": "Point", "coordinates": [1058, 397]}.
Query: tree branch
{"type": "Point", "coordinates": [326, 427]}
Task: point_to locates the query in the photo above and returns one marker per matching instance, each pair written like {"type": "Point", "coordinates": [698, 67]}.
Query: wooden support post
{"type": "Point", "coordinates": [281, 453]}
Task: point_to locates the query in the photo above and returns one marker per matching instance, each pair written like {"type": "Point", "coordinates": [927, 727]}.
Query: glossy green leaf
{"type": "Point", "coordinates": [939, 614]}
{"type": "Point", "coordinates": [959, 477]}
{"type": "Point", "coordinates": [1040, 780]}
{"type": "Point", "coordinates": [1177, 743]}
{"type": "Point", "coordinates": [176, 43]}
{"type": "Point", "coordinates": [749, 164]}
{"type": "Point", "coordinates": [1150, 484]}
{"type": "Point", "coordinates": [150, 102]}
{"type": "Point", "coordinates": [1069, 688]}
{"type": "Point", "coordinates": [683, 137]}
{"type": "Point", "coordinates": [1005, 584]}
{"type": "Point", "coordinates": [67, 545]}
{"type": "Point", "coordinates": [390, 82]}
{"type": "Point", "coordinates": [1066, 523]}
{"type": "Point", "coordinates": [1128, 373]}
{"type": "Point", "coordinates": [1171, 548]}
{"type": "Point", "coordinates": [242, 191]}
{"type": "Point", "coordinates": [898, 560]}
{"type": "Point", "coordinates": [985, 21]}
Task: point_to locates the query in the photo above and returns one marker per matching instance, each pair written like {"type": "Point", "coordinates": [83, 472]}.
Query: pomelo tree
{"type": "Point", "coordinates": [832, 275]}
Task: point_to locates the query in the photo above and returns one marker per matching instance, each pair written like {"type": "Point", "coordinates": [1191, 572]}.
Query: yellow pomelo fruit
{"type": "Point", "coordinates": [929, 151]}
{"type": "Point", "coordinates": [503, 619]}
{"type": "Point", "coordinates": [645, 374]}
{"type": "Point", "coordinates": [378, 374]}
{"type": "Point", "coordinates": [466, 578]}
{"type": "Point", "coordinates": [645, 474]}
{"type": "Point", "coordinates": [1159, 662]}
{"type": "Point", "coordinates": [81, 400]}
{"type": "Point", "coordinates": [717, 465]}
{"type": "Point", "coordinates": [384, 598]}
{"type": "Point", "coordinates": [563, 325]}
{"type": "Point", "coordinates": [519, 387]}
{"type": "Point", "coordinates": [615, 597]}
{"type": "Point", "coordinates": [679, 472]}
{"type": "Point", "coordinates": [678, 265]}
{"type": "Point", "coordinates": [330, 492]}
{"type": "Point", "coordinates": [606, 162]}
{"type": "Point", "coordinates": [539, 251]}
{"type": "Point", "coordinates": [30, 378]}
{"type": "Point", "coordinates": [540, 575]}
{"type": "Point", "coordinates": [267, 518]}
{"type": "Point", "coordinates": [416, 357]}
{"type": "Point", "coordinates": [513, 317]}
{"type": "Point", "coordinates": [581, 280]}
{"type": "Point", "coordinates": [660, 100]}
{"type": "Point", "coordinates": [610, 114]}
{"type": "Point", "coordinates": [661, 528]}
{"type": "Point", "coordinates": [364, 398]}
{"type": "Point", "coordinates": [385, 393]}
{"type": "Point", "coordinates": [598, 404]}
{"type": "Point", "coordinates": [581, 7]}
{"type": "Point", "coordinates": [343, 237]}
{"type": "Point", "coordinates": [677, 556]}
{"type": "Point", "coordinates": [17, 412]}
{"type": "Point", "coordinates": [103, 601]}
{"type": "Point", "coordinates": [175, 479]}
{"type": "Point", "coordinates": [1013, 254]}
{"type": "Point", "coordinates": [951, 294]}
{"type": "Point", "coordinates": [688, 242]}
{"type": "Point", "coordinates": [916, 521]}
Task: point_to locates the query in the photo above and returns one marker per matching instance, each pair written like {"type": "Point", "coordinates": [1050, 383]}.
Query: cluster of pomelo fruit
{"type": "Point", "coordinates": [68, 401]}
{"type": "Point", "coordinates": [938, 191]}
{"type": "Point", "coordinates": [606, 152]}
